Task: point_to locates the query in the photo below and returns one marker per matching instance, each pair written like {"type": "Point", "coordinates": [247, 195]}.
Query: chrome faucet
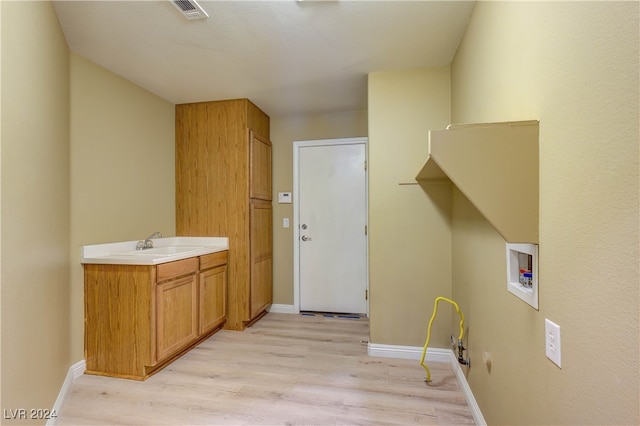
{"type": "Point", "coordinates": [147, 243]}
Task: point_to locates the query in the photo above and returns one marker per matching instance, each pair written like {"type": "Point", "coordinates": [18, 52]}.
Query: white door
{"type": "Point", "coordinates": [332, 219]}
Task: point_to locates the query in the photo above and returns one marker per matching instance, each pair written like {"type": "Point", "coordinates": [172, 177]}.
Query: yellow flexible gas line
{"type": "Point", "coordinates": [426, 343]}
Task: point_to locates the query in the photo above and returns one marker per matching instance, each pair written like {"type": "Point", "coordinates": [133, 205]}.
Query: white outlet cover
{"type": "Point", "coordinates": [552, 342]}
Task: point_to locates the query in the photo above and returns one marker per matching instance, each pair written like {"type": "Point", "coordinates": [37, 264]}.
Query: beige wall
{"type": "Point", "coordinates": [410, 234]}
{"type": "Point", "coordinates": [122, 168]}
{"type": "Point", "coordinates": [284, 131]}
{"type": "Point", "coordinates": [35, 206]}
{"type": "Point", "coordinates": [573, 66]}
{"type": "Point", "coordinates": [1, 406]}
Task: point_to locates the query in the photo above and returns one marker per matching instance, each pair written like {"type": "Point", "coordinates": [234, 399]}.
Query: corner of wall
{"type": "Point", "coordinates": [410, 235]}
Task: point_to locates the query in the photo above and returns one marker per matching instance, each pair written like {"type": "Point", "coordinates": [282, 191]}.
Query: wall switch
{"type": "Point", "coordinates": [285, 222]}
{"type": "Point", "coordinates": [552, 342]}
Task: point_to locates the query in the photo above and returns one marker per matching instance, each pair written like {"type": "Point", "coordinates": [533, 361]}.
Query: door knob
{"type": "Point", "coordinates": [305, 238]}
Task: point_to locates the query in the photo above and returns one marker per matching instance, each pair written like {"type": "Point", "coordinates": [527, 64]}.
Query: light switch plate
{"type": "Point", "coordinates": [285, 222]}
{"type": "Point", "coordinates": [552, 342]}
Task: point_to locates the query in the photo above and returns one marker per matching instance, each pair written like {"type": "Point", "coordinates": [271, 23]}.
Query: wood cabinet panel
{"type": "Point", "coordinates": [259, 168]}
{"type": "Point", "coordinates": [261, 257]}
{"type": "Point", "coordinates": [257, 121]}
{"type": "Point", "coordinates": [166, 271]}
{"type": "Point", "coordinates": [211, 167]}
{"type": "Point", "coordinates": [118, 306]}
{"type": "Point", "coordinates": [214, 259]}
{"type": "Point", "coordinates": [176, 310]}
{"type": "Point", "coordinates": [261, 286]}
{"type": "Point", "coordinates": [213, 176]}
{"type": "Point", "coordinates": [213, 298]}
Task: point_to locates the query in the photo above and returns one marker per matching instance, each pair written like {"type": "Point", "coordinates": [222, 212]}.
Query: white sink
{"type": "Point", "coordinates": [162, 251]}
{"type": "Point", "coordinates": [165, 250]}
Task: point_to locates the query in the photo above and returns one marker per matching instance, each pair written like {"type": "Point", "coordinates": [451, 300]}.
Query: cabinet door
{"type": "Point", "coordinates": [176, 315]}
{"type": "Point", "coordinates": [259, 168]}
{"type": "Point", "coordinates": [261, 249]}
{"type": "Point", "coordinates": [213, 298]}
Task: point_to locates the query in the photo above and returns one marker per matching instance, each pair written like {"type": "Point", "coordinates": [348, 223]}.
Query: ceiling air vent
{"type": "Point", "coordinates": [190, 9]}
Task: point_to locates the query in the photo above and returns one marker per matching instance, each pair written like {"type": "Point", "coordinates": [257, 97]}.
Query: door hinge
{"type": "Point", "coordinates": [365, 230]}
{"type": "Point", "coordinates": [366, 295]}
{"type": "Point", "coordinates": [365, 165]}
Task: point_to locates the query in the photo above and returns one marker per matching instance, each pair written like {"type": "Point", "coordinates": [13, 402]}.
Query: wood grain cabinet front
{"type": "Point", "coordinates": [224, 187]}
{"type": "Point", "coordinates": [213, 291]}
{"type": "Point", "coordinates": [261, 244]}
{"type": "Point", "coordinates": [176, 315]}
{"type": "Point", "coordinates": [259, 168]}
{"type": "Point", "coordinates": [140, 318]}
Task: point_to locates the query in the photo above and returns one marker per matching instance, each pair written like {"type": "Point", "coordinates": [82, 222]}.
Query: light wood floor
{"type": "Point", "coordinates": [286, 369]}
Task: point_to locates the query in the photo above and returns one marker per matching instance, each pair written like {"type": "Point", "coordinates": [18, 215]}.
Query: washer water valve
{"type": "Point", "coordinates": [461, 350]}
{"type": "Point", "coordinates": [461, 359]}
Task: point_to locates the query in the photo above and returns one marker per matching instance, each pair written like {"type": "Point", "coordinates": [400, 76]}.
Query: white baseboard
{"type": "Point", "coordinates": [282, 309]}
{"type": "Point", "coordinates": [478, 418]}
{"type": "Point", "coordinates": [433, 355]}
{"type": "Point", "coordinates": [75, 371]}
{"type": "Point", "coordinates": [408, 352]}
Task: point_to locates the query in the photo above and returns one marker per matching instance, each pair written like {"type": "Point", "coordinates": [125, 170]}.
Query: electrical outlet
{"type": "Point", "coordinates": [552, 342]}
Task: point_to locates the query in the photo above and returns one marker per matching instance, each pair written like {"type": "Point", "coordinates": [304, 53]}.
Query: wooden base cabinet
{"type": "Point", "coordinates": [213, 292]}
{"type": "Point", "coordinates": [223, 188]}
{"type": "Point", "coordinates": [140, 318]}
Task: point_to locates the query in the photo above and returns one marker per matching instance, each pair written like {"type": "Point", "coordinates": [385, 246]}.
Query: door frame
{"type": "Point", "coordinates": [296, 208]}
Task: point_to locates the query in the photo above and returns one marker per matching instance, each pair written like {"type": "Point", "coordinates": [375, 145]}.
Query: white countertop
{"type": "Point", "coordinates": [164, 250]}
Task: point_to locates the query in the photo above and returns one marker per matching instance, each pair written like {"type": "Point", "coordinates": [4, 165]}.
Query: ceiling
{"type": "Point", "coordinates": [289, 57]}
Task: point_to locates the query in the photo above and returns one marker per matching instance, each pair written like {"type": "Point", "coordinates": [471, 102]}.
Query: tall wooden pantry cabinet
{"type": "Point", "coordinates": [223, 188]}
